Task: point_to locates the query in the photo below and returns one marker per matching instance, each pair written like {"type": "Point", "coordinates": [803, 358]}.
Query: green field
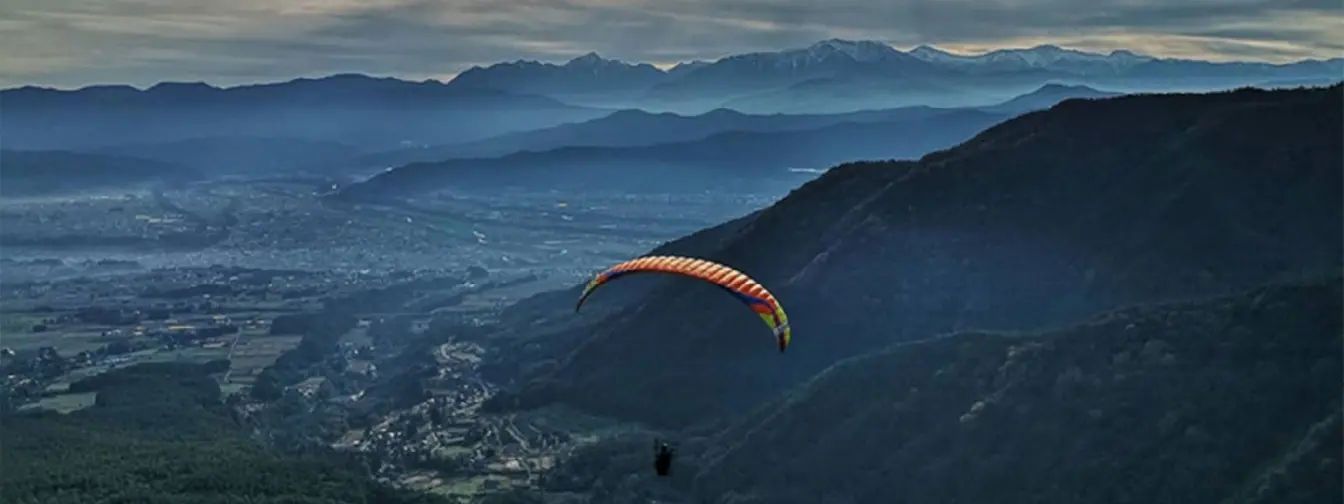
{"type": "Point", "coordinates": [17, 334]}
{"type": "Point", "coordinates": [358, 336]}
{"type": "Point", "coordinates": [229, 389]}
{"type": "Point", "coordinates": [65, 403]}
{"type": "Point", "coordinates": [17, 323]}
{"type": "Point", "coordinates": [472, 487]}
{"type": "Point", "coordinates": [255, 351]}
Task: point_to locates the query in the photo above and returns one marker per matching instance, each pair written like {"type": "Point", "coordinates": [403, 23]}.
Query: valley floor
{"type": "Point", "coordinates": [218, 270]}
{"type": "Point", "coordinates": [287, 224]}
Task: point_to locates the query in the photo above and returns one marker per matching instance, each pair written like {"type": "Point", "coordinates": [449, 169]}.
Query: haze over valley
{"type": "Point", "coordinates": [1029, 274]}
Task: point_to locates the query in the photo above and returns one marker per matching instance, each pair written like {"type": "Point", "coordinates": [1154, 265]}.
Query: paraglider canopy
{"type": "Point", "coordinates": [741, 286]}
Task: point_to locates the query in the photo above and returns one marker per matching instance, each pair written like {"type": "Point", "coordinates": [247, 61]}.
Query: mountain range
{"type": "Point", "coordinates": [841, 75]}
{"type": "Point", "coordinates": [640, 131]}
{"type": "Point", "coordinates": [832, 76]}
{"type": "Point", "coordinates": [723, 158]}
{"type": "Point", "coordinates": [634, 130]}
{"type": "Point", "coordinates": [364, 112]}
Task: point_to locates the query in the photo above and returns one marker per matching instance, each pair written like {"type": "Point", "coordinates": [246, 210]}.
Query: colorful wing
{"type": "Point", "coordinates": [735, 282]}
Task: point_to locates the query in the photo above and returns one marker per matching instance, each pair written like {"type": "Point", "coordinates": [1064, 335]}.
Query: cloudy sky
{"type": "Point", "coordinates": [70, 43]}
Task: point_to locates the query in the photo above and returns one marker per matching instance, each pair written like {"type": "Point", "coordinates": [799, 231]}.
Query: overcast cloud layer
{"type": "Point", "coordinates": [71, 43]}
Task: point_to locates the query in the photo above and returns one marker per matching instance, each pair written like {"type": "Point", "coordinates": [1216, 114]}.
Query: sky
{"type": "Point", "coordinates": [72, 43]}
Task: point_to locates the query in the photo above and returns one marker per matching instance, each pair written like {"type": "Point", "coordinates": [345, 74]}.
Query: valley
{"type": "Point", "coordinates": [226, 270]}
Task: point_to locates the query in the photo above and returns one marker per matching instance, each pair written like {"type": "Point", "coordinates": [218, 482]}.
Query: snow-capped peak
{"type": "Point", "coordinates": [1041, 56]}
{"type": "Point", "coordinates": [933, 54]}
{"type": "Point", "coordinates": [861, 50]}
{"type": "Point", "coordinates": [819, 54]}
{"type": "Point", "coordinates": [1048, 54]}
{"type": "Point", "coordinates": [589, 60]}
{"type": "Point", "coordinates": [1128, 56]}
{"type": "Point", "coordinates": [687, 66]}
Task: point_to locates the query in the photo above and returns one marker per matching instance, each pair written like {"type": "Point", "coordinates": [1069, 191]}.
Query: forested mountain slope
{"type": "Point", "coordinates": [1042, 220]}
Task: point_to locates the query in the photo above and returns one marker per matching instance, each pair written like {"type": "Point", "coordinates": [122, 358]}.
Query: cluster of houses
{"type": "Point", "coordinates": [212, 331]}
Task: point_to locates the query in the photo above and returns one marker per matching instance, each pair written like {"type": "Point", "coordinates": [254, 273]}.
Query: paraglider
{"type": "Point", "coordinates": [735, 282]}
{"type": "Point", "coordinates": [741, 286]}
{"type": "Point", "coordinates": [662, 457]}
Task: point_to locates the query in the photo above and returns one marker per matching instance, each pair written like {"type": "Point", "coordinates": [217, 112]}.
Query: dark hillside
{"type": "Point", "coordinates": [1041, 220]}
{"type": "Point", "coordinates": [1234, 399]}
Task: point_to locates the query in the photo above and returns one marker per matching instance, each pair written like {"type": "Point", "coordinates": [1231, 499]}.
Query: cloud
{"type": "Point", "coordinates": [69, 43]}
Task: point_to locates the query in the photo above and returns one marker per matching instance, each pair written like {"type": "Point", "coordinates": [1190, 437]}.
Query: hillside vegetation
{"type": "Point", "coordinates": [159, 433]}
{"type": "Point", "coordinates": [1233, 399]}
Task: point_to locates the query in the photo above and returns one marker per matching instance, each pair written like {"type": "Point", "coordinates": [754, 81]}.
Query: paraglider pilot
{"type": "Point", "coordinates": [662, 457]}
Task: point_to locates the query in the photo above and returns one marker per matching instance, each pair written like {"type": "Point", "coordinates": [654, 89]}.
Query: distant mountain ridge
{"type": "Point", "coordinates": [635, 128]}
{"type": "Point", "coordinates": [364, 112]}
{"type": "Point", "coordinates": [830, 76]}
{"type": "Point", "coordinates": [831, 72]}
{"type": "Point", "coordinates": [1041, 56]}
{"type": "Point", "coordinates": [839, 53]}
{"type": "Point", "coordinates": [723, 157]}
{"type": "Point", "coordinates": [619, 147]}
{"type": "Point", "coordinates": [1048, 96]}
{"type": "Point", "coordinates": [587, 74]}
{"type": "Point", "coordinates": [338, 90]}
{"type": "Point", "coordinates": [831, 51]}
